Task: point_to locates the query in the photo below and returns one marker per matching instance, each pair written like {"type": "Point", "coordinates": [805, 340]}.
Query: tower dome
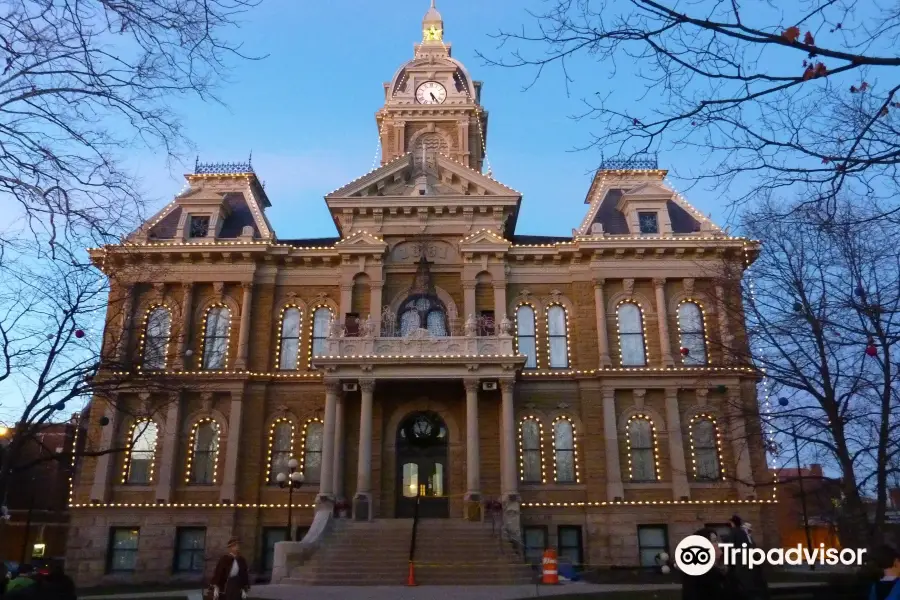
{"type": "Point", "coordinates": [432, 25]}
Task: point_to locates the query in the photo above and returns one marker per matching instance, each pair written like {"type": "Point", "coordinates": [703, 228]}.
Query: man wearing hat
{"type": "Point", "coordinates": [231, 579]}
{"type": "Point", "coordinates": [744, 583]}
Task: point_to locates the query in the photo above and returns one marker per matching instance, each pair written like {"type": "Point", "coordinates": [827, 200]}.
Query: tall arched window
{"type": "Point", "coordinates": [281, 447]}
{"type": "Point", "coordinates": [531, 460]}
{"type": "Point", "coordinates": [566, 470]}
{"type": "Point", "coordinates": [423, 312]}
{"type": "Point", "coordinates": [289, 347]}
{"type": "Point", "coordinates": [312, 451]}
{"type": "Point", "coordinates": [631, 335]}
{"type": "Point", "coordinates": [215, 337]}
{"type": "Point", "coordinates": [526, 343]}
{"type": "Point", "coordinates": [140, 459]}
{"type": "Point", "coordinates": [641, 449]}
{"type": "Point", "coordinates": [156, 338]}
{"type": "Point", "coordinates": [321, 322]}
{"type": "Point", "coordinates": [705, 448]}
{"type": "Point", "coordinates": [557, 337]}
{"type": "Point", "coordinates": [693, 336]}
{"type": "Point", "coordinates": [204, 453]}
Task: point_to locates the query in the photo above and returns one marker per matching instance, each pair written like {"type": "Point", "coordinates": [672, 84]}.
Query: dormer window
{"type": "Point", "coordinates": [199, 226]}
{"type": "Point", "coordinates": [648, 222]}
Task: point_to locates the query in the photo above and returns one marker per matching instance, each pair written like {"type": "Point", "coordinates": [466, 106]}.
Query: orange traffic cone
{"type": "Point", "coordinates": [411, 578]}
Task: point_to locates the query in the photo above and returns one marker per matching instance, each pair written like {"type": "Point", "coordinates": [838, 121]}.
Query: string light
{"type": "Point", "coordinates": [129, 449]}
{"type": "Point", "coordinates": [190, 460]}
{"type": "Point", "coordinates": [204, 340]}
{"type": "Point", "coordinates": [638, 503]}
{"type": "Point", "coordinates": [185, 505]}
{"type": "Point", "coordinates": [702, 324]}
{"type": "Point", "coordinates": [72, 462]}
{"type": "Point", "coordinates": [272, 430]}
{"type": "Point", "coordinates": [643, 331]}
{"type": "Point", "coordinates": [720, 466]}
{"type": "Point", "coordinates": [143, 339]}
{"type": "Point", "coordinates": [522, 448]}
{"type": "Point", "coordinates": [305, 438]}
{"type": "Point", "coordinates": [574, 449]}
{"type": "Point", "coordinates": [643, 417]}
{"type": "Point", "coordinates": [534, 333]}
{"type": "Point", "coordinates": [284, 309]}
{"type": "Point", "coordinates": [312, 331]}
{"type": "Point", "coordinates": [549, 336]}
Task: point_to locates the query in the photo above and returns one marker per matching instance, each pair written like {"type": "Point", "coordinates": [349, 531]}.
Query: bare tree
{"type": "Point", "coordinates": [822, 303]}
{"type": "Point", "coordinates": [802, 98]}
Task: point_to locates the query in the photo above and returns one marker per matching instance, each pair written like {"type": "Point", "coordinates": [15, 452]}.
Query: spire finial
{"type": "Point", "coordinates": [432, 25]}
{"type": "Point", "coordinates": [432, 4]}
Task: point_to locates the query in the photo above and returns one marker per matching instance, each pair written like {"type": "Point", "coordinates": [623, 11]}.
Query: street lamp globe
{"type": "Point", "coordinates": [281, 478]}
{"type": "Point", "coordinates": [292, 464]}
{"type": "Point", "coordinates": [297, 477]}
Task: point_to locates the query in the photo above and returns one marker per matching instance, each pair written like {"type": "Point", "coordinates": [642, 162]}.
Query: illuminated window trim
{"type": "Point", "coordinates": [145, 322]}
{"type": "Point", "coordinates": [540, 449]}
{"type": "Point", "coordinates": [565, 334]}
{"type": "Point", "coordinates": [705, 331]}
{"type": "Point", "coordinates": [312, 329]}
{"type": "Point", "coordinates": [129, 449]}
{"type": "Point", "coordinates": [280, 330]}
{"type": "Point", "coordinates": [534, 313]}
{"type": "Point", "coordinates": [577, 469]}
{"type": "Point", "coordinates": [268, 474]}
{"type": "Point", "coordinates": [305, 440]}
{"type": "Point", "coordinates": [643, 334]}
{"type": "Point", "coordinates": [191, 450]}
{"type": "Point", "coordinates": [718, 447]}
{"type": "Point", "coordinates": [202, 357]}
{"type": "Point", "coordinates": [656, 469]}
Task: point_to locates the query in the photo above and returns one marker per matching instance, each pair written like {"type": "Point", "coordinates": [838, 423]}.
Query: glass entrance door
{"type": "Point", "coordinates": [426, 478]}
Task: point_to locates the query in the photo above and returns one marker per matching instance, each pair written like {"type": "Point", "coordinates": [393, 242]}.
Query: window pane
{"type": "Point", "coordinates": [410, 480]}
{"type": "Point", "coordinates": [525, 320]}
{"type": "Point", "coordinates": [409, 322]}
{"type": "Point", "coordinates": [206, 446]}
{"type": "Point", "coordinates": [556, 320]}
{"type": "Point", "coordinates": [632, 350]}
{"type": "Point", "coordinates": [156, 338]}
{"type": "Point", "coordinates": [290, 325]}
{"type": "Point", "coordinates": [532, 466]}
{"type": "Point", "coordinates": [629, 318]}
{"type": "Point", "coordinates": [704, 434]}
{"type": "Point", "coordinates": [143, 447]}
{"type": "Point", "coordinates": [282, 437]}
{"type": "Point", "coordinates": [321, 324]}
{"type": "Point", "coordinates": [568, 537]}
{"type": "Point", "coordinates": [565, 455]}
{"type": "Point", "coordinates": [437, 324]}
{"type": "Point", "coordinates": [290, 339]}
{"type": "Point", "coordinates": [526, 346]}
{"type": "Point", "coordinates": [639, 431]}
{"type": "Point", "coordinates": [707, 463]}
{"type": "Point", "coordinates": [531, 438]}
{"type": "Point", "coordinates": [558, 352]}
{"type": "Point", "coordinates": [652, 536]}
{"type": "Point", "coordinates": [563, 433]}
{"type": "Point", "coordinates": [312, 462]}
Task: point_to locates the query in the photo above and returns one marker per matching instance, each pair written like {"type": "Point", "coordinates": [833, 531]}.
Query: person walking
{"type": "Point", "coordinates": [710, 585]}
{"type": "Point", "coordinates": [742, 582]}
{"type": "Point", "coordinates": [231, 579]}
{"type": "Point", "coordinates": [887, 559]}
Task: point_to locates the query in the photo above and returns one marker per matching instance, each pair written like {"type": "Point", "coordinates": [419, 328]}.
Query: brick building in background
{"type": "Point", "coordinates": [427, 350]}
{"type": "Point", "coordinates": [38, 496]}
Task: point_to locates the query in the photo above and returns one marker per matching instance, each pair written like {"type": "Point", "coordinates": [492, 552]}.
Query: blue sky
{"type": "Point", "coordinates": [307, 109]}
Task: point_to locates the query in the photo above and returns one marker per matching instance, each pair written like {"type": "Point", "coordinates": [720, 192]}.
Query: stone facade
{"type": "Point", "coordinates": [426, 226]}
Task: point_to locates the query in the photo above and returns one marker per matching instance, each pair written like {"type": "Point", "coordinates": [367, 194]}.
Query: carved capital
{"type": "Point", "coordinates": [332, 387]}
{"type": "Point", "coordinates": [247, 286]}
{"type": "Point", "coordinates": [688, 283]}
{"type": "Point", "coordinates": [499, 285]}
{"type": "Point", "coordinates": [367, 386]}
{"type": "Point", "coordinates": [469, 285]}
{"type": "Point", "coordinates": [608, 393]}
{"type": "Point", "coordinates": [659, 282]}
{"type": "Point", "coordinates": [187, 287]}
{"type": "Point", "coordinates": [629, 286]}
{"type": "Point", "coordinates": [598, 283]}
{"type": "Point", "coordinates": [507, 385]}
{"type": "Point", "coordinates": [471, 384]}
{"type": "Point", "coordinates": [671, 392]}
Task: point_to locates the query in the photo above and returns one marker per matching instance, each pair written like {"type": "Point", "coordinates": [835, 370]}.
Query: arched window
{"type": "Point", "coordinates": [204, 453]}
{"type": "Point", "coordinates": [705, 447]}
{"type": "Point", "coordinates": [156, 338]}
{"type": "Point", "coordinates": [557, 337]}
{"type": "Point", "coordinates": [693, 336]}
{"type": "Point", "coordinates": [566, 470]}
{"type": "Point", "coordinates": [215, 337]}
{"type": "Point", "coordinates": [289, 350]}
{"type": "Point", "coordinates": [526, 342]}
{"type": "Point", "coordinates": [631, 335]}
{"type": "Point", "coordinates": [312, 451]}
{"type": "Point", "coordinates": [140, 459]}
{"type": "Point", "coordinates": [321, 322]}
{"type": "Point", "coordinates": [423, 312]}
{"type": "Point", "coordinates": [531, 465]}
{"type": "Point", "coordinates": [281, 447]}
{"type": "Point", "coordinates": [641, 449]}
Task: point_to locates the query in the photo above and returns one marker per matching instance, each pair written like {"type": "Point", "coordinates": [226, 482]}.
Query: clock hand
{"type": "Point", "coordinates": [432, 96]}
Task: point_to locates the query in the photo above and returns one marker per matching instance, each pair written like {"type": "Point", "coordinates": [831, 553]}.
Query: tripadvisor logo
{"type": "Point", "coordinates": [696, 555]}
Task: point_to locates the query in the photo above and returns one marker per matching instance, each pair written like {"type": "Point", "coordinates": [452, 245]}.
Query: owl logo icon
{"type": "Point", "coordinates": [695, 555]}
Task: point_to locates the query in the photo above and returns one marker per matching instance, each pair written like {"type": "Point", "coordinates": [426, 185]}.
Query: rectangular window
{"type": "Point", "coordinates": [121, 555]}
{"type": "Point", "coordinates": [486, 323]}
{"type": "Point", "coordinates": [199, 227]}
{"type": "Point", "coordinates": [190, 549]}
{"type": "Point", "coordinates": [535, 538]}
{"type": "Point", "coordinates": [649, 222]}
{"type": "Point", "coordinates": [351, 325]}
{"type": "Point", "coordinates": [569, 544]}
{"type": "Point", "coordinates": [652, 540]}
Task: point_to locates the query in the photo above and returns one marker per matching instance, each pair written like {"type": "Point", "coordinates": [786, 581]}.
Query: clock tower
{"type": "Point", "coordinates": [432, 105]}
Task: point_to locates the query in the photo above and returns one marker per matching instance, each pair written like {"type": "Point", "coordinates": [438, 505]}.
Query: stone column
{"type": "Point", "coordinates": [724, 329]}
{"type": "Point", "coordinates": [362, 504]}
{"type": "Point", "coordinates": [510, 482]}
{"type": "Point", "coordinates": [740, 445]}
{"type": "Point", "coordinates": [229, 479]}
{"type": "Point", "coordinates": [400, 140]}
{"type": "Point", "coordinates": [187, 312]}
{"type": "Point", "coordinates": [375, 309]}
{"type": "Point", "coordinates": [169, 450]}
{"type": "Point", "coordinates": [468, 300]}
{"type": "Point", "coordinates": [326, 476]}
{"type": "Point", "coordinates": [602, 333]}
{"type": "Point", "coordinates": [339, 447]}
{"type": "Point", "coordinates": [614, 488]}
{"type": "Point", "coordinates": [680, 488]}
{"type": "Point", "coordinates": [662, 318]}
{"type": "Point", "coordinates": [100, 488]}
{"type": "Point", "coordinates": [244, 333]}
{"type": "Point", "coordinates": [499, 303]}
{"type": "Point", "coordinates": [121, 346]}
{"type": "Point", "coordinates": [473, 458]}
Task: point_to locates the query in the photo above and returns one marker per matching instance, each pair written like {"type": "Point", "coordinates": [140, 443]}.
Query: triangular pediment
{"type": "Point", "coordinates": [484, 240]}
{"type": "Point", "coordinates": [361, 241]}
{"type": "Point", "coordinates": [648, 190]}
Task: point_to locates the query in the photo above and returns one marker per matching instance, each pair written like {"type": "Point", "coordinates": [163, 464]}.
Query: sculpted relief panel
{"type": "Point", "coordinates": [436, 251]}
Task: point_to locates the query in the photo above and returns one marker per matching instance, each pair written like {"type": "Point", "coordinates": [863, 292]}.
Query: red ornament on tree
{"type": "Point", "coordinates": [685, 351]}
{"type": "Point", "coordinates": [871, 350]}
{"type": "Point", "coordinates": [79, 333]}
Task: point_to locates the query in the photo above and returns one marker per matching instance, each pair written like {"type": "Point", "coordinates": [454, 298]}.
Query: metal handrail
{"type": "Point", "coordinates": [415, 528]}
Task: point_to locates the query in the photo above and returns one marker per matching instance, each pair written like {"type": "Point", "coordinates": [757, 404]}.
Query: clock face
{"type": "Point", "coordinates": [431, 92]}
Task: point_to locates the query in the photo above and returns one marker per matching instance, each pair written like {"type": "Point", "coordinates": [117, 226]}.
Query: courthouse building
{"type": "Point", "coordinates": [426, 352]}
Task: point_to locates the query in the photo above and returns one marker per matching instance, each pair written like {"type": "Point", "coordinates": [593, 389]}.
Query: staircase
{"type": "Point", "coordinates": [448, 552]}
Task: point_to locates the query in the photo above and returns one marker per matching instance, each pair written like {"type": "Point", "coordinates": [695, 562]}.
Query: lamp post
{"type": "Point", "coordinates": [292, 480]}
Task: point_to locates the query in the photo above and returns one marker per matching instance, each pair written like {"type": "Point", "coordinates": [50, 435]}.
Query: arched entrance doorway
{"type": "Point", "coordinates": [422, 466]}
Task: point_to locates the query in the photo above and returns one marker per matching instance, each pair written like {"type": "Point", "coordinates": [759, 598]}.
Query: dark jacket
{"type": "Point", "coordinates": [709, 586]}
{"type": "Point", "coordinates": [742, 582]}
{"type": "Point", "coordinates": [223, 570]}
